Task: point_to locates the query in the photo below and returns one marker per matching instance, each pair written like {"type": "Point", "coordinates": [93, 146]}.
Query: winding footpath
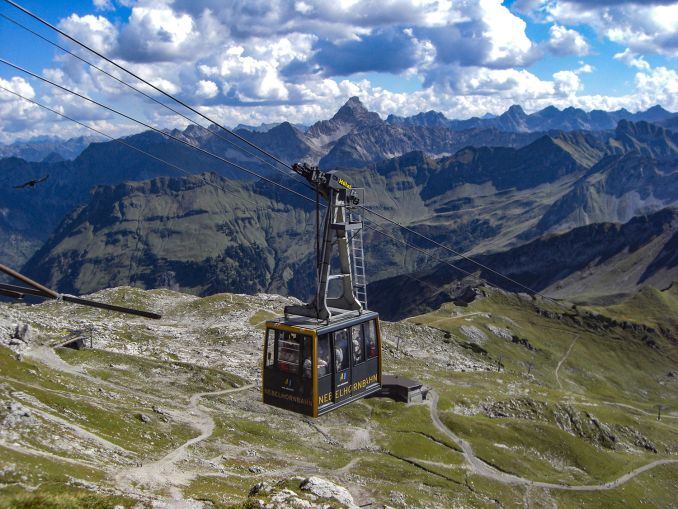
{"type": "Point", "coordinates": [567, 354]}
{"type": "Point", "coordinates": [164, 471]}
{"type": "Point", "coordinates": [483, 469]}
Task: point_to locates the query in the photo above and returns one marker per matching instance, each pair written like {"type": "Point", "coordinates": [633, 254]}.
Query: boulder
{"type": "Point", "coordinates": [326, 489]}
{"type": "Point", "coordinates": [17, 416]}
{"type": "Point", "coordinates": [23, 332]}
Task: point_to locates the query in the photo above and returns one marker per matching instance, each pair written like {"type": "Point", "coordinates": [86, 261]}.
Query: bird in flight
{"type": "Point", "coordinates": [31, 183]}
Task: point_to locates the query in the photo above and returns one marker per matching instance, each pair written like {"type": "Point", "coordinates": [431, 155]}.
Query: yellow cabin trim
{"type": "Point", "coordinates": [314, 362]}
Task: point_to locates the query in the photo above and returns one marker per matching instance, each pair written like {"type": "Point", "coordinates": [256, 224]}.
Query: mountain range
{"type": "Point", "coordinates": [48, 148]}
{"type": "Point", "coordinates": [114, 216]}
{"type": "Point", "coordinates": [516, 120]}
{"type": "Point", "coordinates": [601, 262]}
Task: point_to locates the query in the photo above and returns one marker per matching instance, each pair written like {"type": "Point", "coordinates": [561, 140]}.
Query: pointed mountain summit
{"type": "Point", "coordinates": [656, 113]}
{"type": "Point", "coordinates": [514, 119]}
{"type": "Point", "coordinates": [351, 116]}
{"type": "Point", "coordinates": [355, 112]}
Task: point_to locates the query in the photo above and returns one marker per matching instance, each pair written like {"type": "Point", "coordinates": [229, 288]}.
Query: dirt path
{"type": "Point", "coordinates": [164, 472]}
{"type": "Point", "coordinates": [564, 358]}
{"type": "Point", "coordinates": [22, 449]}
{"type": "Point", "coordinates": [160, 473]}
{"type": "Point", "coordinates": [47, 356]}
{"type": "Point", "coordinates": [640, 410]}
{"type": "Point", "coordinates": [79, 431]}
{"type": "Point", "coordinates": [457, 317]}
{"type": "Point", "coordinates": [478, 466]}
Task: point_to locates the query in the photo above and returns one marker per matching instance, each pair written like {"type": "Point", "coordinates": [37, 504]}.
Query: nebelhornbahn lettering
{"type": "Point", "coordinates": [344, 391]}
{"type": "Point", "coordinates": [289, 397]}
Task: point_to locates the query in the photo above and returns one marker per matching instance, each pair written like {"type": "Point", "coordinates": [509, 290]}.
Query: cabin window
{"type": "Point", "coordinates": [307, 349]}
{"type": "Point", "coordinates": [358, 343]}
{"type": "Point", "coordinates": [270, 348]}
{"type": "Point", "coordinates": [341, 350]}
{"type": "Point", "coordinates": [323, 355]}
{"type": "Point", "coordinates": [289, 351]}
{"type": "Point", "coordinates": [370, 339]}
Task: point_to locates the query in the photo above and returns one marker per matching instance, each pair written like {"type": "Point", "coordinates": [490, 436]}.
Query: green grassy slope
{"type": "Point", "coordinates": [590, 424]}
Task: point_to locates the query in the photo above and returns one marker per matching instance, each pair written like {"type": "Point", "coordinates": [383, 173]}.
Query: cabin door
{"type": "Point", "coordinates": [341, 365]}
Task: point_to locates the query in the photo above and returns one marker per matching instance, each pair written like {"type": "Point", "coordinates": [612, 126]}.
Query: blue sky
{"type": "Point", "coordinates": [265, 61]}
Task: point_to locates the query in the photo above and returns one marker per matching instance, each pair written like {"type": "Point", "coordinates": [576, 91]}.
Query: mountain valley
{"type": "Point", "coordinates": [212, 233]}
{"type": "Point", "coordinates": [531, 402]}
{"type": "Point", "coordinates": [544, 398]}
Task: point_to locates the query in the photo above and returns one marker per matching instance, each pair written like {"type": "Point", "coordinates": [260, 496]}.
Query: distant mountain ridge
{"type": "Point", "coordinates": [639, 176]}
{"type": "Point", "coordinates": [589, 263]}
{"type": "Point", "coordinates": [479, 198]}
{"type": "Point", "coordinates": [49, 148]}
{"type": "Point", "coordinates": [355, 137]}
{"type": "Point", "coordinates": [265, 127]}
{"type": "Point", "coordinates": [550, 118]}
{"type": "Point", "coordinates": [479, 190]}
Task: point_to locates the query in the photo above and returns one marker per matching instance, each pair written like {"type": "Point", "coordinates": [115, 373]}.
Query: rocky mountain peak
{"type": "Point", "coordinates": [513, 119]}
{"type": "Point", "coordinates": [283, 128]}
{"type": "Point", "coordinates": [352, 115]}
{"type": "Point", "coordinates": [657, 113]}
{"type": "Point", "coordinates": [549, 112]}
{"type": "Point", "coordinates": [516, 110]}
{"type": "Point", "coordinates": [649, 139]}
{"type": "Point", "coordinates": [354, 111]}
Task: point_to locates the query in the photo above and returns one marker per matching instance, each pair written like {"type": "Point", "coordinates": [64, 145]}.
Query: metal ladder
{"type": "Point", "coordinates": [358, 262]}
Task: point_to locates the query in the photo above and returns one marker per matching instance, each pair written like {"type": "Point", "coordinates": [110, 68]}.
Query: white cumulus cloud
{"type": "Point", "coordinates": [632, 59]}
{"type": "Point", "coordinates": [206, 89]}
{"type": "Point", "coordinates": [566, 41]}
{"type": "Point", "coordinates": [103, 5]}
{"type": "Point", "coordinates": [648, 26]}
{"type": "Point", "coordinates": [250, 61]}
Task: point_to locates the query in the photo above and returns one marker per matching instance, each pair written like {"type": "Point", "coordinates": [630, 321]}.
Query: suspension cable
{"type": "Point", "coordinates": [146, 82]}
{"type": "Point", "coordinates": [446, 248]}
{"type": "Point", "coordinates": [172, 97]}
{"type": "Point", "coordinates": [183, 170]}
{"type": "Point", "coordinates": [110, 137]}
{"type": "Point", "coordinates": [147, 96]}
{"type": "Point", "coordinates": [148, 126]}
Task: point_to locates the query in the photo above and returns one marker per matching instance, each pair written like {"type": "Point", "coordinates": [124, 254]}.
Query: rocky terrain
{"type": "Point", "coordinates": [516, 120]}
{"type": "Point", "coordinates": [48, 149]}
{"type": "Point", "coordinates": [602, 262]}
{"type": "Point", "coordinates": [206, 233]}
{"type": "Point", "coordinates": [528, 407]}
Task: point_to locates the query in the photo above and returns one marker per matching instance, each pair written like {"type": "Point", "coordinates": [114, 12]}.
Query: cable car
{"type": "Point", "coordinates": [327, 353]}
{"type": "Point", "coordinates": [312, 368]}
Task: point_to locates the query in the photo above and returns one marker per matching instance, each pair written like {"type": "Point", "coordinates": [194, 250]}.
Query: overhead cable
{"type": "Point", "coordinates": [183, 170]}
{"type": "Point", "coordinates": [148, 96]}
{"type": "Point", "coordinates": [446, 248]}
{"type": "Point", "coordinates": [273, 157]}
{"type": "Point", "coordinates": [146, 82]}
{"type": "Point", "coordinates": [148, 126]}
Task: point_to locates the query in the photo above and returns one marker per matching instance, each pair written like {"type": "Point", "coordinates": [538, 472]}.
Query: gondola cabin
{"type": "Point", "coordinates": [313, 367]}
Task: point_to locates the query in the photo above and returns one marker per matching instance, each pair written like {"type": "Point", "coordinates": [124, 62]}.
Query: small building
{"type": "Point", "coordinates": [399, 388]}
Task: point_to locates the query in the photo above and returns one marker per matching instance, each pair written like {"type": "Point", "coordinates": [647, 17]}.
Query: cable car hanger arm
{"type": "Point", "coordinates": [324, 182]}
